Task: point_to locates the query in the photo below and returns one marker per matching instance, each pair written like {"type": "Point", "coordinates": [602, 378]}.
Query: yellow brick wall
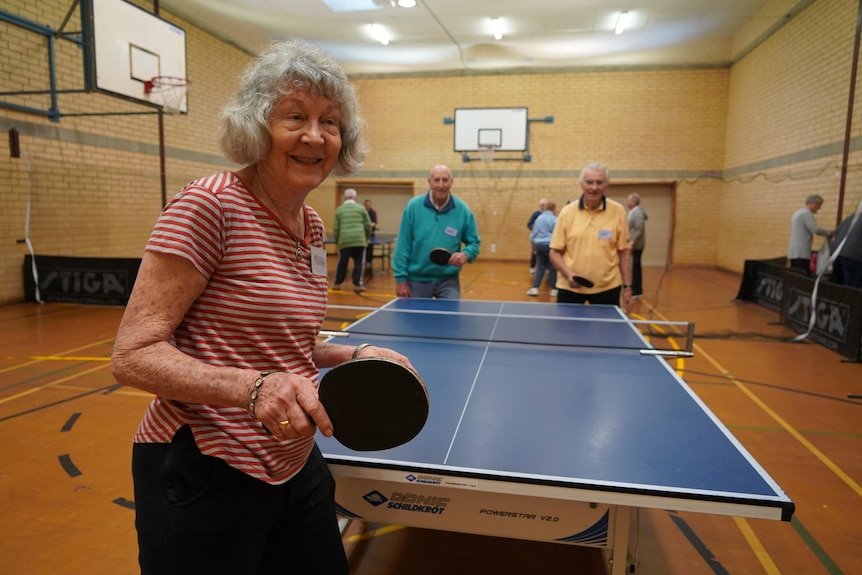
{"type": "Point", "coordinates": [771, 124]}
{"type": "Point", "coordinates": [645, 126]}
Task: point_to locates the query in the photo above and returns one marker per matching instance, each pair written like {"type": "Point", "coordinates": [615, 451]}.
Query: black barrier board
{"type": "Point", "coordinates": [838, 321]}
{"type": "Point", "coordinates": [763, 283]}
{"type": "Point", "coordinates": [838, 324]}
{"type": "Point", "coordinates": [81, 280]}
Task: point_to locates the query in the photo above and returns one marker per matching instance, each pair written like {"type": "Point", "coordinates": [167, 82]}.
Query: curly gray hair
{"type": "Point", "coordinates": [244, 135]}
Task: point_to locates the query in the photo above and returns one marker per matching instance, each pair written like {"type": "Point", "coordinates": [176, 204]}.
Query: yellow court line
{"type": "Point", "coordinates": [759, 551]}
{"type": "Point", "coordinates": [53, 383]}
{"type": "Point", "coordinates": [69, 358]}
{"type": "Point", "coordinates": [123, 390]}
{"type": "Point", "coordinates": [747, 532]}
{"type": "Point", "coordinates": [779, 420]}
{"type": "Point", "coordinates": [73, 350]}
{"type": "Point", "coordinates": [680, 361]}
{"type": "Point", "coordinates": [788, 428]}
{"type": "Point", "coordinates": [375, 533]}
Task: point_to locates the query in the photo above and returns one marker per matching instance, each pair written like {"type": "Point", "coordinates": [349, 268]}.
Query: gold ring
{"type": "Point", "coordinates": [283, 424]}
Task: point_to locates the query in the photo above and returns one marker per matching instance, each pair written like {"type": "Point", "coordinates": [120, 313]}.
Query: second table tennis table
{"type": "Point", "coordinates": [547, 422]}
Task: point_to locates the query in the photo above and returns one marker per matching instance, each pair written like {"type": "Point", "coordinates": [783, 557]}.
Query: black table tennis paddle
{"type": "Point", "coordinates": [440, 256]}
{"type": "Point", "coordinates": [374, 403]}
{"type": "Point", "coordinates": [583, 281]}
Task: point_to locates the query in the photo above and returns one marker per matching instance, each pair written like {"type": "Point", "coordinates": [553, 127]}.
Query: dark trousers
{"type": "Point", "coordinates": [848, 272]}
{"type": "Point", "coordinates": [637, 273]}
{"type": "Point", "coordinates": [609, 297]}
{"type": "Point", "coordinates": [803, 264]}
{"type": "Point", "coordinates": [357, 254]}
{"type": "Point", "coordinates": [196, 514]}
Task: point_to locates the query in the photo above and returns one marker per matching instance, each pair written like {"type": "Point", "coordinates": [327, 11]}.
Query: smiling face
{"type": "Point", "coordinates": [440, 182]}
{"type": "Point", "coordinates": [306, 140]}
{"type": "Point", "coordinates": [594, 185]}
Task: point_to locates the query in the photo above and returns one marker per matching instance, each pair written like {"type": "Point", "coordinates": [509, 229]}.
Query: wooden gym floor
{"type": "Point", "coordinates": [66, 501]}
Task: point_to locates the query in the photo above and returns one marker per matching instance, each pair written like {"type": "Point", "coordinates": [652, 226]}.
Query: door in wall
{"type": "Point", "coordinates": [387, 198]}
{"type": "Point", "coordinates": [657, 202]}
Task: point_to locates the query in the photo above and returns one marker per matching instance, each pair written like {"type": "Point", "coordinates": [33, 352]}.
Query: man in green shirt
{"type": "Point", "coordinates": [352, 231]}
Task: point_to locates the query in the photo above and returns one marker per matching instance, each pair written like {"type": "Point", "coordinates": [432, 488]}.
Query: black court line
{"type": "Point", "coordinates": [70, 422]}
{"type": "Point", "coordinates": [69, 467]}
{"type": "Point", "coordinates": [52, 404]}
{"type": "Point", "coordinates": [123, 502]}
{"type": "Point", "coordinates": [698, 545]}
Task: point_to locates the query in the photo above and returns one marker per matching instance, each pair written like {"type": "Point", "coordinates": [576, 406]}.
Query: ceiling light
{"type": "Point", "coordinates": [621, 22]}
{"type": "Point", "coordinates": [497, 28]}
{"type": "Point", "coordinates": [379, 34]}
{"type": "Point", "coordinates": [407, 3]}
{"type": "Point", "coordinates": [351, 5]}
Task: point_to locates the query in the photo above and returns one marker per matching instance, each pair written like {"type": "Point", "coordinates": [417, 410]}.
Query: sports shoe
{"type": "Point", "coordinates": [554, 292]}
{"type": "Point", "coordinates": [336, 286]}
{"type": "Point", "coordinates": [533, 291]}
{"type": "Point", "coordinates": [359, 289]}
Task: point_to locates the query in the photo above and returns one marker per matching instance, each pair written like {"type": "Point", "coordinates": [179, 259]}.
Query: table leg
{"type": "Point", "coordinates": [620, 553]}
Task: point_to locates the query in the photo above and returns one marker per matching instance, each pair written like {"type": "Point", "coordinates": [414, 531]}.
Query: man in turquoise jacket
{"type": "Point", "coordinates": [436, 219]}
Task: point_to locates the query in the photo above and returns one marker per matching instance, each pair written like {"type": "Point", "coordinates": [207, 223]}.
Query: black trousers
{"type": "Point", "coordinates": [801, 264]}
{"type": "Point", "coordinates": [357, 254]}
{"type": "Point", "coordinates": [609, 297]}
{"type": "Point", "coordinates": [197, 514]}
{"type": "Point", "coordinates": [637, 273]}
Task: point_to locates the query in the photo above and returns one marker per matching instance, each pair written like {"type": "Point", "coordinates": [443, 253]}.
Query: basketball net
{"type": "Point", "coordinates": [168, 91]}
{"type": "Point", "coordinates": [486, 153]}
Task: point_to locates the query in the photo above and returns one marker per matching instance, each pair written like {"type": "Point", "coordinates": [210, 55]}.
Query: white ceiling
{"type": "Point", "coordinates": [447, 35]}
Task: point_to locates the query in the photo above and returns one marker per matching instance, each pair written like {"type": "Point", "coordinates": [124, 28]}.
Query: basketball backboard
{"type": "Point", "coordinates": [132, 46]}
{"type": "Point", "coordinates": [505, 129]}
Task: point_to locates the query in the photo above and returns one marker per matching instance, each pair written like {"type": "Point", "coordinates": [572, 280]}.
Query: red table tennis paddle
{"type": "Point", "coordinates": [583, 281]}
{"type": "Point", "coordinates": [440, 256]}
{"type": "Point", "coordinates": [374, 403]}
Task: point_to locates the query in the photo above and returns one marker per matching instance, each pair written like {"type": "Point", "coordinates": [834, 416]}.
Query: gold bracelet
{"type": "Point", "coordinates": [358, 350]}
{"type": "Point", "coordinates": [255, 392]}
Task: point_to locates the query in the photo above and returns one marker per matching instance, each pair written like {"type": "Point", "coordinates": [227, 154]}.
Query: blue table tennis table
{"type": "Point", "coordinates": [547, 422]}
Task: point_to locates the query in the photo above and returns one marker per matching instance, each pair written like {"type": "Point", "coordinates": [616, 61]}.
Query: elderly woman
{"type": "Point", "coordinates": [222, 328]}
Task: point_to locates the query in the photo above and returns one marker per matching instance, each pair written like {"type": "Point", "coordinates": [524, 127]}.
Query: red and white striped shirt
{"type": "Point", "coordinates": [262, 309]}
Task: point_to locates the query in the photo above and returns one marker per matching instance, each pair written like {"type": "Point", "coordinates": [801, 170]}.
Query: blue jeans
{"type": "Point", "coordinates": [543, 262]}
{"type": "Point", "coordinates": [447, 288]}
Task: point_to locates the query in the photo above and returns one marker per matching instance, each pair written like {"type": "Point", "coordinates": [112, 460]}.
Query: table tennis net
{"type": "Point", "coordinates": [665, 338]}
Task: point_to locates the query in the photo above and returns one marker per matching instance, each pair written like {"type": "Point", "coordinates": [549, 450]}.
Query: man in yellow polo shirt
{"type": "Point", "coordinates": [591, 240]}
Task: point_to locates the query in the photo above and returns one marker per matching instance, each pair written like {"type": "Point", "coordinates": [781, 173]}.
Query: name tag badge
{"type": "Point", "coordinates": [318, 261]}
{"type": "Point", "coordinates": [451, 232]}
{"type": "Point", "coordinates": [605, 234]}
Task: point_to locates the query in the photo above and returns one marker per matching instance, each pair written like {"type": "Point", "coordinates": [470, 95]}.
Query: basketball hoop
{"type": "Point", "coordinates": [168, 91]}
{"type": "Point", "coordinates": [486, 152]}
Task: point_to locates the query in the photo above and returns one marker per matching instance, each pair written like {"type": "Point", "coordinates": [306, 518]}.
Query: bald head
{"type": "Point", "coordinates": [440, 182]}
